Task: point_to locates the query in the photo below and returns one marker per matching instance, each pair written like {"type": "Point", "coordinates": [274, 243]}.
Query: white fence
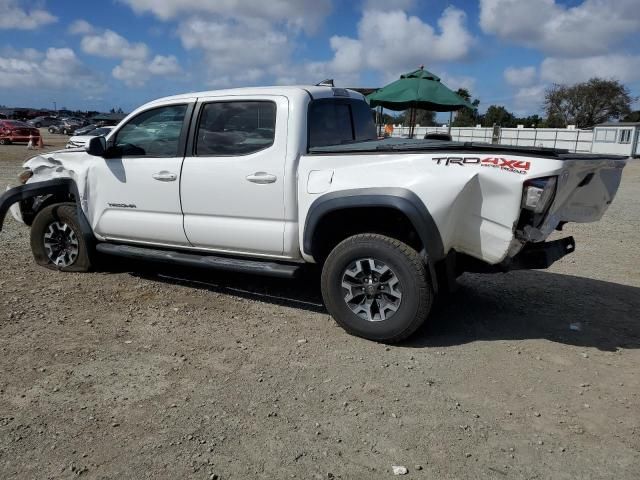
{"type": "Point", "coordinates": [569, 139]}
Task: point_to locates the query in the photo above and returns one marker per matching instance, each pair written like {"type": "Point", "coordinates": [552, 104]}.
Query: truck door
{"type": "Point", "coordinates": [136, 191]}
{"type": "Point", "coordinates": [232, 185]}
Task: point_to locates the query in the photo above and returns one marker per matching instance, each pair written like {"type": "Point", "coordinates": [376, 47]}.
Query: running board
{"type": "Point", "coordinates": [258, 267]}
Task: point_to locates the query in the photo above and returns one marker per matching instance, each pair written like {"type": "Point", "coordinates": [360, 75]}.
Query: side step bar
{"type": "Point", "coordinates": [258, 267]}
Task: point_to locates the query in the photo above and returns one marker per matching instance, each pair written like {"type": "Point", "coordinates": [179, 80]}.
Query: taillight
{"type": "Point", "coordinates": [538, 193]}
{"type": "Point", "coordinates": [537, 197]}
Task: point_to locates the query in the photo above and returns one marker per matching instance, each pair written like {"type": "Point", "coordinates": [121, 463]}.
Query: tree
{"type": "Point", "coordinates": [466, 117]}
{"type": "Point", "coordinates": [498, 115]}
{"type": "Point", "coordinates": [586, 104]}
{"type": "Point", "coordinates": [424, 118]}
{"type": "Point", "coordinates": [632, 117]}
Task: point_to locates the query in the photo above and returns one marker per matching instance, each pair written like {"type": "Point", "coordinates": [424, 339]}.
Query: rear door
{"type": "Point", "coordinates": [233, 181]}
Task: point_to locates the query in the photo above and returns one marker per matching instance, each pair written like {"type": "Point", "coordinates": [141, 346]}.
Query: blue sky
{"type": "Point", "coordinates": [122, 53]}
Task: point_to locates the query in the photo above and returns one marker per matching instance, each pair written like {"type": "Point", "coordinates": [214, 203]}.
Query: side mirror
{"type": "Point", "coordinates": [97, 146]}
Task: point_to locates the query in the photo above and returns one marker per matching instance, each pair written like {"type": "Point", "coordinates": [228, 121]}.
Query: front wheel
{"type": "Point", "coordinates": [376, 287]}
{"type": "Point", "coordinates": [57, 241]}
{"type": "Point", "coordinates": [5, 141]}
{"type": "Point", "coordinates": [52, 130]}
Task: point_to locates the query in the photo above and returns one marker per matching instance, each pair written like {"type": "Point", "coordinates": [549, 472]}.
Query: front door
{"type": "Point", "coordinates": [232, 187]}
{"type": "Point", "coordinates": [136, 191]}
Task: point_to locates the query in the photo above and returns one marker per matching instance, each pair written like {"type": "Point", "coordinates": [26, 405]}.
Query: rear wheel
{"type": "Point", "coordinates": [52, 130]}
{"type": "Point", "coordinates": [57, 241]}
{"type": "Point", "coordinates": [5, 141]}
{"type": "Point", "coordinates": [376, 287]}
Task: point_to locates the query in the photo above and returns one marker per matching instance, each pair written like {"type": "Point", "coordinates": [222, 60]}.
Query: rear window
{"type": "Point", "coordinates": [340, 121]}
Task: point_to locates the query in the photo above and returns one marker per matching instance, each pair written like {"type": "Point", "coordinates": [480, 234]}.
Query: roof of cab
{"type": "Point", "coordinates": [314, 91]}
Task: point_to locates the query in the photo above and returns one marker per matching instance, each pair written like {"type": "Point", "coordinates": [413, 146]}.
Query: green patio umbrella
{"type": "Point", "coordinates": [418, 89]}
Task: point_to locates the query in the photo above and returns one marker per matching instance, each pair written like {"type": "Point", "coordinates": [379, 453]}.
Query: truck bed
{"type": "Point", "coordinates": [404, 145]}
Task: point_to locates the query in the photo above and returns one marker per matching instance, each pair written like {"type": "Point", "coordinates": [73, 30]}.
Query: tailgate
{"type": "Point", "coordinates": [586, 188]}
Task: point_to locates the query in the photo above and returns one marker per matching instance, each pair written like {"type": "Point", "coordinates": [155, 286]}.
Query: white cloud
{"type": "Point", "coordinates": [305, 14]}
{"type": "Point", "coordinates": [625, 68]}
{"type": "Point", "coordinates": [81, 27]}
{"type": "Point", "coordinates": [233, 48]}
{"type": "Point", "coordinates": [454, 82]}
{"type": "Point", "coordinates": [528, 99]}
{"type": "Point", "coordinates": [12, 16]}
{"type": "Point", "coordinates": [589, 28]}
{"type": "Point", "coordinates": [109, 44]}
{"type": "Point", "coordinates": [135, 72]}
{"type": "Point", "coordinates": [136, 67]}
{"type": "Point", "coordinates": [520, 77]}
{"type": "Point", "coordinates": [395, 41]}
{"type": "Point", "coordinates": [57, 68]}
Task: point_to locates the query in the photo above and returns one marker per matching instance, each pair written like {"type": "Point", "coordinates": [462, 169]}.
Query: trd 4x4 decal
{"type": "Point", "coordinates": [515, 166]}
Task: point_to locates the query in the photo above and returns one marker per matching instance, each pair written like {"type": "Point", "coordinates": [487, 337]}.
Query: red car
{"type": "Point", "coordinates": [15, 131]}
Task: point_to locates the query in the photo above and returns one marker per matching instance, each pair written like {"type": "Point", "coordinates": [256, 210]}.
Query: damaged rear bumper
{"type": "Point", "coordinates": [537, 256]}
{"type": "Point", "coordinates": [541, 255]}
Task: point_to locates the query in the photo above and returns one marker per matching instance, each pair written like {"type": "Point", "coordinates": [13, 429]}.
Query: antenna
{"type": "Point", "coordinates": [325, 83]}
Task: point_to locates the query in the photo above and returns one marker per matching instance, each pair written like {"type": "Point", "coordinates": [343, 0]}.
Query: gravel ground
{"type": "Point", "coordinates": [144, 371]}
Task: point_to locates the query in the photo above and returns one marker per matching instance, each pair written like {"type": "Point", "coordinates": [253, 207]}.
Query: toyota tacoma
{"type": "Point", "coordinates": [267, 180]}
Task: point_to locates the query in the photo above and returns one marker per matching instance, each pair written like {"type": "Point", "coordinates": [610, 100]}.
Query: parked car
{"type": "Point", "coordinates": [78, 141]}
{"type": "Point", "coordinates": [86, 129]}
{"type": "Point", "coordinates": [12, 131]}
{"type": "Point", "coordinates": [43, 121]}
{"type": "Point", "coordinates": [80, 122]}
{"type": "Point", "coordinates": [268, 180]}
{"type": "Point", "coordinates": [64, 127]}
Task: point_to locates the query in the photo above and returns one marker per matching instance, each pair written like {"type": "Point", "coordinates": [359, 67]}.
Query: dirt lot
{"type": "Point", "coordinates": [150, 372]}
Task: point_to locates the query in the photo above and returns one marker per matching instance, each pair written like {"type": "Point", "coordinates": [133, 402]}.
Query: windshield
{"type": "Point", "coordinates": [99, 132]}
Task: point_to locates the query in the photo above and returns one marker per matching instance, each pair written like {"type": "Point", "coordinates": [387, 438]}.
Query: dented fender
{"type": "Point", "coordinates": [37, 189]}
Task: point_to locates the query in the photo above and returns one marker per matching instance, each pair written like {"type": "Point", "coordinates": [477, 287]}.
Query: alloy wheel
{"type": "Point", "coordinates": [61, 244]}
{"type": "Point", "coordinates": [371, 289]}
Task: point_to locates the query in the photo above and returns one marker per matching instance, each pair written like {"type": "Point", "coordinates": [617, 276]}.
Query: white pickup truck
{"type": "Point", "coordinates": [266, 180]}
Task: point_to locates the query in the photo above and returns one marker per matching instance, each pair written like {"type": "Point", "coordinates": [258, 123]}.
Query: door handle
{"type": "Point", "coordinates": [165, 176]}
{"type": "Point", "coordinates": [262, 178]}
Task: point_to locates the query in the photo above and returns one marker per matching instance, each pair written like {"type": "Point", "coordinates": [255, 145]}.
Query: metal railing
{"type": "Point", "coordinates": [578, 141]}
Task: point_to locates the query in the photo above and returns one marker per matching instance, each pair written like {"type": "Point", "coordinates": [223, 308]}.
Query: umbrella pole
{"type": "Point", "coordinates": [450, 121]}
{"type": "Point", "coordinates": [412, 122]}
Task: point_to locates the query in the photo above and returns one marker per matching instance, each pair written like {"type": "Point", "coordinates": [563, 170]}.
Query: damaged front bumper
{"type": "Point", "coordinates": [57, 186]}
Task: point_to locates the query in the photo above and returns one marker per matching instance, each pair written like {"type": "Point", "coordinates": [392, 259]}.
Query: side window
{"type": "Point", "coordinates": [625, 136]}
{"type": "Point", "coordinates": [335, 122]}
{"type": "Point", "coordinates": [154, 133]}
{"type": "Point", "coordinates": [329, 124]}
{"type": "Point", "coordinates": [235, 128]}
{"type": "Point", "coordinates": [363, 122]}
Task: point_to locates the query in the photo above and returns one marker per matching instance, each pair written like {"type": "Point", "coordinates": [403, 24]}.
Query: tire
{"type": "Point", "coordinates": [52, 130]}
{"type": "Point", "coordinates": [393, 319]}
{"type": "Point", "coordinates": [5, 141]}
{"type": "Point", "coordinates": [57, 222]}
